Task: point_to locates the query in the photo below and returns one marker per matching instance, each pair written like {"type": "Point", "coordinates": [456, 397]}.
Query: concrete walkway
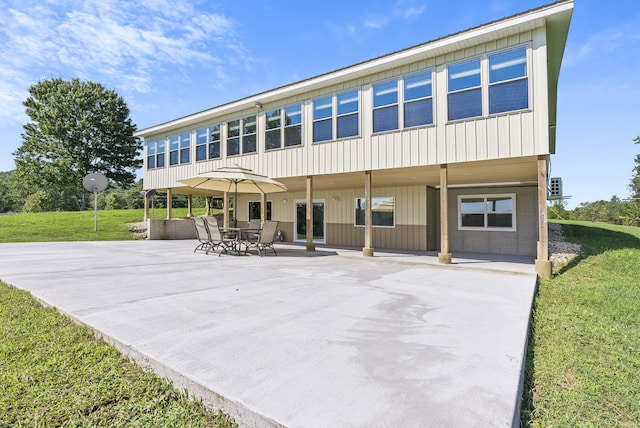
{"type": "Point", "coordinates": [325, 339]}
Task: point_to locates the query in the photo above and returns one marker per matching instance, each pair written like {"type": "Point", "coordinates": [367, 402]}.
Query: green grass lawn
{"type": "Point", "coordinates": [584, 354]}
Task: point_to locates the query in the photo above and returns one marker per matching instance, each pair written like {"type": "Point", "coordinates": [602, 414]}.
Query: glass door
{"type": "Point", "coordinates": [301, 222]}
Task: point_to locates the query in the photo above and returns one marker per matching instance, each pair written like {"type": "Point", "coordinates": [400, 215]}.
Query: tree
{"type": "Point", "coordinates": [76, 128]}
{"type": "Point", "coordinates": [634, 185]}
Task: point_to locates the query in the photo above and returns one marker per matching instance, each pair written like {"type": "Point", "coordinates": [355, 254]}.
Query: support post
{"type": "Point", "coordinates": [189, 206]}
{"type": "Point", "coordinates": [263, 208]}
{"type": "Point", "coordinates": [444, 256]}
{"type": "Point", "coordinates": [225, 218]}
{"type": "Point", "coordinates": [146, 207]}
{"type": "Point", "coordinates": [367, 251]}
{"type": "Point", "coordinates": [543, 264]}
{"type": "Point", "coordinates": [309, 216]}
{"type": "Point", "coordinates": [169, 203]}
{"type": "Point", "coordinates": [208, 201]}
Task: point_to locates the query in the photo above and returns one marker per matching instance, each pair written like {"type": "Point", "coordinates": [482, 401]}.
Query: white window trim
{"type": "Point", "coordinates": [513, 227]}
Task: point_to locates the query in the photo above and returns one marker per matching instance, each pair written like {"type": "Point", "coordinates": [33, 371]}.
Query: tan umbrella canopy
{"type": "Point", "coordinates": [236, 179]}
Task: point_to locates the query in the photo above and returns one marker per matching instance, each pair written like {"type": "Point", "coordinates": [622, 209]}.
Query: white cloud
{"type": "Point", "coordinates": [117, 42]}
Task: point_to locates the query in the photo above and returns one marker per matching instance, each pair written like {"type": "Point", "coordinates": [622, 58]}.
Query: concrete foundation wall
{"type": "Point", "coordinates": [176, 228]}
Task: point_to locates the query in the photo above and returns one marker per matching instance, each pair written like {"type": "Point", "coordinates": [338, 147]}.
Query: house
{"type": "Point", "coordinates": [443, 146]}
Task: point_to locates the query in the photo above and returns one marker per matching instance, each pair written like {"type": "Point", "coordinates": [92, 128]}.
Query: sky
{"type": "Point", "coordinates": [172, 58]}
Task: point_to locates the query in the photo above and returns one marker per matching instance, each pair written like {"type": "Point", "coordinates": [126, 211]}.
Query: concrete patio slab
{"type": "Point", "coordinates": [320, 339]}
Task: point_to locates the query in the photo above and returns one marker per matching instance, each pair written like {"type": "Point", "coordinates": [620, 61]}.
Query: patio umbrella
{"type": "Point", "coordinates": [238, 179]}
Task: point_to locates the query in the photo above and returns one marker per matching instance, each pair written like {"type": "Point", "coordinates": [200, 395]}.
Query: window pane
{"type": "Point", "coordinates": [249, 143]}
{"type": "Point", "coordinates": [249, 125]}
{"type": "Point", "coordinates": [151, 162]}
{"type": "Point", "coordinates": [473, 220]}
{"type": "Point", "coordinates": [417, 86]}
{"type": "Point", "coordinates": [292, 136]}
{"type": "Point", "coordinates": [151, 148]}
{"type": "Point", "coordinates": [418, 113]}
{"type": "Point", "coordinates": [504, 204]}
{"type": "Point", "coordinates": [160, 160]}
{"type": "Point", "coordinates": [173, 142]}
{"type": "Point", "coordinates": [272, 139]}
{"type": "Point", "coordinates": [161, 146]}
{"type": "Point", "coordinates": [322, 108]}
{"type": "Point", "coordinates": [472, 205]}
{"type": "Point", "coordinates": [322, 130]}
{"type": "Point", "coordinates": [233, 129]}
{"type": "Point", "coordinates": [201, 136]}
{"type": "Point", "coordinates": [292, 115]}
{"type": "Point", "coordinates": [185, 140]}
{"type": "Point", "coordinates": [499, 220]}
{"type": "Point", "coordinates": [385, 93]}
{"type": "Point", "coordinates": [464, 75]}
{"type": "Point", "coordinates": [509, 96]}
{"type": "Point", "coordinates": [385, 119]}
{"type": "Point", "coordinates": [382, 210]}
{"type": "Point", "coordinates": [273, 119]}
{"type": "Point", "coordinates": [348, 126]}
{"type": "Point", "coordinates": [348, 102]}
{"type": "Point", "coordinates": [360, 205]}
{"type": "Point", "coordinates": [508, 65]}
{"type": "Point", "coordinates": [233, 146]}
{"type": "Point", "coordinates": [184, 156]}
{"type": "Point", "coordinates": [214, 150]}
{"type": "Point", "coordinates": [173, 158]}
{"type": "Point", "coordinates": [201, 152]}
{"type": "Point", "coordinates": [465, 104]}
{"type": "Point", "coordinates": [215, 133]}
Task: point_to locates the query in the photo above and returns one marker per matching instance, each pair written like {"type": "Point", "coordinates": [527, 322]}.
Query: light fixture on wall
{"type": "Point", "coordinates": [336, 199]}
{"type": "Point", "coordinates": [284, 200]}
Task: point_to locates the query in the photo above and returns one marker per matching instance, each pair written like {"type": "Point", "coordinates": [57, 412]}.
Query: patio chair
{"type": "Point", "coordinates": [217, 237]}
{"type": "Point", "coordinates": [203, 236]}
{"type": "Point", "coordinates": [266, 238]}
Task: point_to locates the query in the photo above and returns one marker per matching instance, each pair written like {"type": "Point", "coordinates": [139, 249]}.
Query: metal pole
{"type": "Point", "coordinates": [95, 209]}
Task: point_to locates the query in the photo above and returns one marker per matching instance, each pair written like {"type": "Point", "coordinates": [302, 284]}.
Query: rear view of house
{"type": "Point", "coordinates": [444, 146]}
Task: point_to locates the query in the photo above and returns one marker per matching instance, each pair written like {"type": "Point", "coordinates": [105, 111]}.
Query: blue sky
{"type": "Point", "coordinates": [171, 58]}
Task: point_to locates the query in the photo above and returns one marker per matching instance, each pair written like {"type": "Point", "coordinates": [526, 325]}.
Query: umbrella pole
{"type": "Point", "coordinates": [235, 206]}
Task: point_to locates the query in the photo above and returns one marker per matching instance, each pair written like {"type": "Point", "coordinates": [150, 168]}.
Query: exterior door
{"type": "Point", "coordinates": [301, 222]}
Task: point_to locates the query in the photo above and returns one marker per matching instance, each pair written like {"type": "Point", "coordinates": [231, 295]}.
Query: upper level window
{"type": "Point", "coordinates": [385, 106]}
{"type": "Point", "coordinates": [464, 90]}
{"type": "Point", "coordinates": [185, 147]}
{"type": "Point", "coordinates": [254, 210]}
{"type": "Point", "coordinates": [487, 212]}
{"type": "Point", "coordinates": [233, 137]}
{"type": "Point", "coordinates": [418, 99]}
{"type": "Point", "coordinates": [284, 127]}
{"type": "Point", "coordinates": [346, 120]}
{"type": "Point", "coordinates": [249, 134]}
{"type": "Point", "coordinates": [382, 211]}
{"type": "Point", "coordinates": [208, 143]}
{"type": "Point", "coordinates": [155, 154]}
{"type": "Point", "coordinates": [508, 83]}
{"type": "Point", "coordinates": [348, 116]}
{"type": "Point", "coordinates": [174, 149]}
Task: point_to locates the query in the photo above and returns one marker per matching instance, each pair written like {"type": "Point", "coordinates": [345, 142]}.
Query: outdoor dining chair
{"type": "Point", "coordinates": [266, 238]}
{"type": "Point", "coordinates": [203, 236]}
{"type": "Point", "coordinates": [217, 237]}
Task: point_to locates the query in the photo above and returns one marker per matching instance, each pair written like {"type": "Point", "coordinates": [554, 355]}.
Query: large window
{"type": "Point", "coordinates": [284, 127]}
{"type": "Point", "coordinates": [249, 134]}
{"type": "Point", "coordinates": [174, 150]}
{"type": "Point", "coordinates": [155, 154]}
{"type": "Point", "coordinates": [233, 137]}
{"type": "Point", "coordinates": [254, 210]}
{"type": "Point", "coordinates": [418, 101]}
{"type": "Point", "coordinates": [508, 83]}
{"type": "Point", "coordinates": [382, 211]}
{"type": "Point", "coordinates": [208, 143]}
{"type": "Point", "coordinates": [385, 106]}
{"type": "Point", "coordinates": [487, 212]}
{"type": "Point", "coordinates": [464, 90]}
{"type": "Point", "coordinates": [346, 120]}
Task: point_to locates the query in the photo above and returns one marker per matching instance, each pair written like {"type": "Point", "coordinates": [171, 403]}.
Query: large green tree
{"type": "Point", "coordinates": [634, 185]}
{"type": "Point", "coordinates": [75, 128]}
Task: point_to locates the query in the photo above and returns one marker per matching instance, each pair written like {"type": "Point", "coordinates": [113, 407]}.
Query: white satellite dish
{"type": "Point", "coordinates": [95, 182]}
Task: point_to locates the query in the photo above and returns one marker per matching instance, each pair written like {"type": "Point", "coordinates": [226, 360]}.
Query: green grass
{"type": "Point", "coordinates": [77, 225]}
{"type": "Point", "coordinates": [55, 373]}
{"type": "Point", "coordinates": [584, 352]}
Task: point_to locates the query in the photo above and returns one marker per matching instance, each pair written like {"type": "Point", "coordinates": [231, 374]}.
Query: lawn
{"type": "Point", "coordinates": [584, 351]}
